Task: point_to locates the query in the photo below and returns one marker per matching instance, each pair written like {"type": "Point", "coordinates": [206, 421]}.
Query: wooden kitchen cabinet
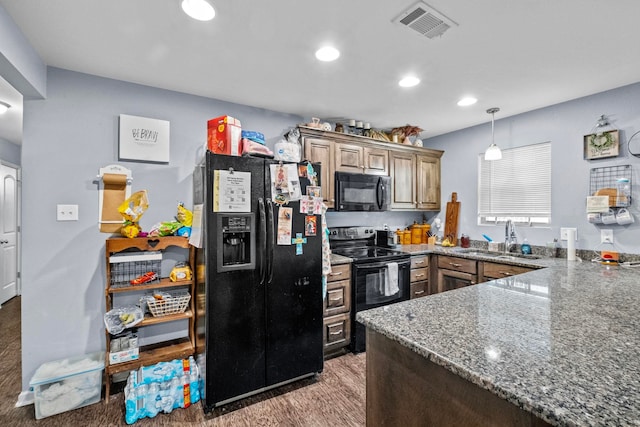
{"type": "Point", "coordinates": [403, 180]}
{"type": "Point", "coordinates": [428, 182]}
{"type": "Point", "coordinates": [419, 276]}
{"type": "Point", "coordinates": [492, 270]}
{"type": "Point", "coordinates": [318, 150]}
{"type": "Point", "coordinates": [416, 181]}
{"type": "Point", "coordinates": [117, 284]}
{"type": "Point", "coordinates": [414, 171]}
{"type": "Point", "coordinates": [359, 159]}
{"type": "Point", "coordinates": [337, 310]}
{"type": "Point", "coordinates": [455, 273]}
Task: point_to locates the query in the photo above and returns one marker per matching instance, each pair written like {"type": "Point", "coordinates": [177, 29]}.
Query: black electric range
{"type": "Point", "coordinates": [379, 276]}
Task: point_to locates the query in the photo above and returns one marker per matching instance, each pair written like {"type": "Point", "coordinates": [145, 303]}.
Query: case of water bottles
{"type": "Point", "coordinates": [162, 387]}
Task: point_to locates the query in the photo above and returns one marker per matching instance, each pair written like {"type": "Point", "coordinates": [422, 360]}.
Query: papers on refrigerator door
{"type": "Point", "coordinates": [284, 226]}
{"type": "Point", "coordinates": [285, 183]}
{"type": "Point", "coordinates": [231, 191]}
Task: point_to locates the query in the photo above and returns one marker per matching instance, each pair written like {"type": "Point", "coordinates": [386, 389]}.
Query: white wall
{"type": "Point", "coordinates": [564, 125]}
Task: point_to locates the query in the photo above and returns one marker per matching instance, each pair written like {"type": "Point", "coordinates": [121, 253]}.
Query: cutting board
{"type": "Point", "coordinates": [451, 220]}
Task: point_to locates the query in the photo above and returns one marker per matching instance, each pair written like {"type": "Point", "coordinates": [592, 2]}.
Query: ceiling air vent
{"type": "Point", "coordinates": [425, 20]}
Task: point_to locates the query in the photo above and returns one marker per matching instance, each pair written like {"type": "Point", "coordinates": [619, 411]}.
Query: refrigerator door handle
{"type": "Point", "coordinates": [263, 240]}
{"type": "Point", "coordinates": [270, 240]}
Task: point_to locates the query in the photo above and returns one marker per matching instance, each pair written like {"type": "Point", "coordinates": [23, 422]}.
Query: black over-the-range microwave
{"type": "Point", "coordinates": [360, 192]}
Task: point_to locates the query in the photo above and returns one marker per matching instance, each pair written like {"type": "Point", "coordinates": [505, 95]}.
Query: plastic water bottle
{"type": "Point", "coordinates": [623, 188]}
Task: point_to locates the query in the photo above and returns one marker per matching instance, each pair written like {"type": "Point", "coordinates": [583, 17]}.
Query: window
{"type": "Point", "coordinates": [517, 187]}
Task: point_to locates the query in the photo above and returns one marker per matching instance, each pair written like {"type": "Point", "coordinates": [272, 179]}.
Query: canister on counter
{"type": "Point", "coordinates": [416, 233]}
{"type": "Point", "coordinates": [406, 237]}
{"type": "Point", "coordinates": [425, 232]}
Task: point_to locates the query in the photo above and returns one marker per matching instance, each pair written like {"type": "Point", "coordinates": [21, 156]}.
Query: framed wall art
{"type": "Point", "coordinates": [144, 139]}
{"type": "Point", "coordinates": [602, 145]}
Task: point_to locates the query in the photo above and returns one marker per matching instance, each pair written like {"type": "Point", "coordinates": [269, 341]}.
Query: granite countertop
{"type": "Point", "coordinates": [562, 342]}
{"type": "Point", "coordinates": [339, 259]}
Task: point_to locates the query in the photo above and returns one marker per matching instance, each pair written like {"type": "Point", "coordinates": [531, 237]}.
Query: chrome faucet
{"type": "Point", "coordinates": [510, 239]}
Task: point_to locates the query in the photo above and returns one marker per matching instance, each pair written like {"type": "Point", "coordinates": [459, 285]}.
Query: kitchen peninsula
{"type": "Point", "coordinates": [555, 346]}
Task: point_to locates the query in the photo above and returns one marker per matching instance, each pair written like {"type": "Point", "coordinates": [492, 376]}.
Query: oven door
{"type": "Point", "coordinates": [360, 192]}
{"type": "Point", "coordinates": [380, 283]}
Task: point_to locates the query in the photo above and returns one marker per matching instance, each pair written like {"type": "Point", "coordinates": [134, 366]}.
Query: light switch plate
{"type": "Point", "coordinates": [564, 233]}
{"type": "Point", "coordinates": [67, 212]}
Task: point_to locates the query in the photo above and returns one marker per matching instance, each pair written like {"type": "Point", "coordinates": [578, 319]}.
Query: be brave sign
{"type": "Point", "coordinates": [144, 139]}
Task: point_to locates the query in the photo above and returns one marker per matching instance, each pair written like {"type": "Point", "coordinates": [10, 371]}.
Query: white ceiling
{"type": "Point", "coordinates": [516, 55]}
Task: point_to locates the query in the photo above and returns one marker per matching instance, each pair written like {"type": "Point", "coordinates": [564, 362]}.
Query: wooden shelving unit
{"type": "Point", "coordinates": [158, 352]}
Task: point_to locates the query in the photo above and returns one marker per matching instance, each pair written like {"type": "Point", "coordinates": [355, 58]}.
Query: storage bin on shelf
{"type": "Point", "coordinates": [67, 384]}
{"type": "Point", "coordinates": [171, 303]}
{"type": "Point", "coordinates": [126, 267]}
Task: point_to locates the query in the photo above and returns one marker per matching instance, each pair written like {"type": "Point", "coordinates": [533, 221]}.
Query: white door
{"type": "Point", "coordinates": [8, 233]}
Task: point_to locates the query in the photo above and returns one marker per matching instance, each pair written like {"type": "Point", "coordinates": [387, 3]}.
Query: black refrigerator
{"type": "Point", "coordinates": [258, 321]}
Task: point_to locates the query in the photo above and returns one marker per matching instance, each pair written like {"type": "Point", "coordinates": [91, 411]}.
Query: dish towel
{"type": "Point", "coordinates": [391, 284]}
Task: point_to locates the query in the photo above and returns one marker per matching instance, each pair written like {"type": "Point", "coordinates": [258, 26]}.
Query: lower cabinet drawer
{"type": "Point", "coordinates": [419, 274]}
{"type": "Point", "coordinates": [419, 289]}
{"type": "Point", "coordinates": [337, 331]}
{"type": "Point", "coordinates": [339, 272]}
{"type": "Point", "coordinates": [338, 299]}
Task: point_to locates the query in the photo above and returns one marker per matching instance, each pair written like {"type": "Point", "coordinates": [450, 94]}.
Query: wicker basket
{"type": "Point", "coordinates": [176, 303]}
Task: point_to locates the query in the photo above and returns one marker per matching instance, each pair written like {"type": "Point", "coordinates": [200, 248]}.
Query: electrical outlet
{"type": "Point", "coordinates": [564, 233]}
{"type": "Point", "coordinates": [67, 213]}
{"type": "Point", "coordinates": [606, 236]}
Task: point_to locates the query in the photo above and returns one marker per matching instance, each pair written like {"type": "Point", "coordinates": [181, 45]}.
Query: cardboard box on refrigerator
{"type": "Point", "coordinates": [224, 134]}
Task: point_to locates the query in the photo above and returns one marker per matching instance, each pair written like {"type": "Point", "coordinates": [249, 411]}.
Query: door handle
{"type": "Point", "coordinates": [4, 241]}
{"type": "Point", "coordinates": [263, 239]}
{"type": "Point", "coordinates": [271, 240]}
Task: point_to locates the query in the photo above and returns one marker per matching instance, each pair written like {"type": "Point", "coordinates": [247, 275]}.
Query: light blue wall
{"type": "Point", "coordinates": [20, 64]}
{"type": "Point", "coordinates": [67, 138]}
{"type": "Point", "coordinates": [564, 125]}
{"type": "Point", "coordinates": [9, 152]}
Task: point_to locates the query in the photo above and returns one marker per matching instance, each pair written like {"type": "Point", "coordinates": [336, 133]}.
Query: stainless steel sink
{"type": "Point", "coordinates": [497, 255]}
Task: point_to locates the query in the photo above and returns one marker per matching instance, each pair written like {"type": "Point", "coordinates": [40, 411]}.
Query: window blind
{"type": "Point", "coordinates": [518, 185]}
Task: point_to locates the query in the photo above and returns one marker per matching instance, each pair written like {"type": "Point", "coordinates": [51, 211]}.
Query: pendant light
{"type": "Point", "coordinates": [493, 152]}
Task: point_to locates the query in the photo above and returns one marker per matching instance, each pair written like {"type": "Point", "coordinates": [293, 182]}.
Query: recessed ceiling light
{"type": "Point", "coordinates": [4, 107]}
{"type": "Point", "coordinates": [409, 81]}
{"type": "Point", "coordinates": [327, 54]}
{"type": "Point", "coordinates": [198, 9]}
{"type": "Point", "coordinates": [466, 101]}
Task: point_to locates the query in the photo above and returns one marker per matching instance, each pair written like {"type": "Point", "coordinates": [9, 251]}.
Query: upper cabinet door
{"type": "Point", "coordinates": [349, 158]}
{"type": "Point", "coordinates": [428, 182]}
{"type": "Point", "coordinates": [403, 172]}
{"type": "Point", "coordinates": [321, 151]}
{"type": "Point", "coordinates": [376, 161]}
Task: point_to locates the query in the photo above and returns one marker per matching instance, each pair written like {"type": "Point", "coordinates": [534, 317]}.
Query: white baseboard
{"type": "Point", "coordinates": [25, 398]}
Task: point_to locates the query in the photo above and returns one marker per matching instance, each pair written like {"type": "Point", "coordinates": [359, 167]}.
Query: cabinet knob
{"type": "Point", "coordinates": [418, 292]}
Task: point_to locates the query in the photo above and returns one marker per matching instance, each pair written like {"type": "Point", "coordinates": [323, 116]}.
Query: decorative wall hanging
{"type": "Point", "coordinates": [604, 141]}
{"type": "Point", "coordinates": [144, 139]}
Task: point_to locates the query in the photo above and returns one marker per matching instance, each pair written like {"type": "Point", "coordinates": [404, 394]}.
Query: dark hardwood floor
{"type": "Point", "coordinates": [335, 398]}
